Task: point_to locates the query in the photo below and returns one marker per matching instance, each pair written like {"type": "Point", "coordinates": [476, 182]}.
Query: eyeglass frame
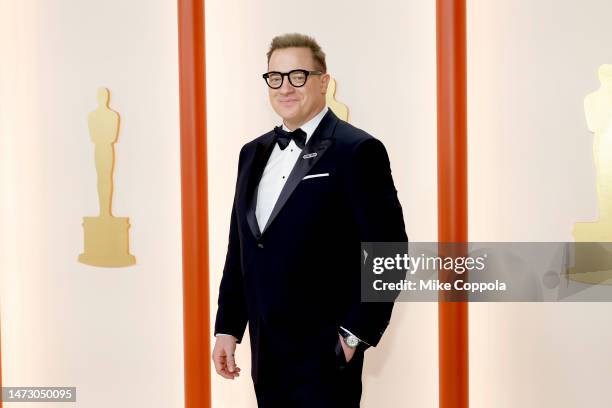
{"type": "Point", "coordinates": [287, 74]}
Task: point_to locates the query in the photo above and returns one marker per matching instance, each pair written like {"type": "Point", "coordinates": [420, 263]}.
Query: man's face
{"type": "Point", "coordinates": [297, 105]}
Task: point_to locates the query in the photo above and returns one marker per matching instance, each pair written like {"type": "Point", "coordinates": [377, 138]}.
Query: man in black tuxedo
{"type": "Point", "coordinates": [307, 194]}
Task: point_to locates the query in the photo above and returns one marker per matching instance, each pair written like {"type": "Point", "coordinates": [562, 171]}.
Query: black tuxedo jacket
{"type": "Point", "coordinates": [298, 280]}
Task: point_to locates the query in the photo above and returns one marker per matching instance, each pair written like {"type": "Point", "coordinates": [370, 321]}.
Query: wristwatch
{"type": "Point", "coordinates": [351, 340]}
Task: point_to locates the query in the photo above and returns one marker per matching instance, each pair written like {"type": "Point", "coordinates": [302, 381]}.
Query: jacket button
{"type": "Point", "coordinates": [260, 245]}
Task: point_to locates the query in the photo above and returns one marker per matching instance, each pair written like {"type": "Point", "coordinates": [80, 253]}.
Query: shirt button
{"type": "Point", "coordinates": [260, 245]}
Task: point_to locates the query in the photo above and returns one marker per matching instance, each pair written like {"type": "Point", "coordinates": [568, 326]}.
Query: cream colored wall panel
{"type": "Point", "coordinates": [383, 58]}
{"type": "Point", "coordinates": [114, 333]}
{"type": "Point", "coordinates": [531, 177]}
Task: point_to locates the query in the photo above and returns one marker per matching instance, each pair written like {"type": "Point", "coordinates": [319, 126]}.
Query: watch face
{"type": "Point", "coordinates": [352, 341]}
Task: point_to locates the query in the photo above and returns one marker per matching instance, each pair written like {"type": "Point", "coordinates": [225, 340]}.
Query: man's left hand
{"type": "Point", "coordinates": [348, 352]}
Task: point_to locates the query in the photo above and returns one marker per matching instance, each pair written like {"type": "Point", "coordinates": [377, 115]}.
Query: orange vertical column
{"type": "Point", "coordinates": [194, 203]}
{"type": "Point", "coordinates": [452, 192]}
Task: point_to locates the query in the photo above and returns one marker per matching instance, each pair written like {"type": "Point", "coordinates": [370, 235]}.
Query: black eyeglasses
{"type": "Point", "coordinates": [297, 77]}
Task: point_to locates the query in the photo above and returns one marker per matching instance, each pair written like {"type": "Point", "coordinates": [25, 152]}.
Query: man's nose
{"type": "Point", "coordinates": [286, 87]}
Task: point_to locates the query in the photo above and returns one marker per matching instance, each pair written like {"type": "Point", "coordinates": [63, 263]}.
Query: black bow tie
{"type": "Point", "coordinates": [283, 137]}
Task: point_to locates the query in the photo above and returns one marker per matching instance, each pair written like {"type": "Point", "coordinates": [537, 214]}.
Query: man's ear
{"type": "Point", "coordinates": [324, 82]}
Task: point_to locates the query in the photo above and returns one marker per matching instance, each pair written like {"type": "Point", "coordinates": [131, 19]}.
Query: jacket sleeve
{"type": "Point", "coordinates": [377, 214]}
{"type": "Point", "coordinates": [231, 313]}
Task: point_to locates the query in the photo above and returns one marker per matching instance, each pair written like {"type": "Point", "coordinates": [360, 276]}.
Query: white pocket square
{"type": "Point", "coordinates": [315, 175]}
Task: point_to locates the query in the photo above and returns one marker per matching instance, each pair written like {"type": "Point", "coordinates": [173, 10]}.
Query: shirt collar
{"type": "Point", "coordinates": [310, 126]}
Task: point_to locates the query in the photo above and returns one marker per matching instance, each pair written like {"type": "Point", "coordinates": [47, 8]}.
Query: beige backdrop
{"type": "Point", "coordinates": [115, 334]}
{"type": "Point", "coordinates": [531, 177]}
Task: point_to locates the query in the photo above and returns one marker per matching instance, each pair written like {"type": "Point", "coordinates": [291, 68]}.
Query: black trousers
{"type": "Point", "coordinates": [338, 389]}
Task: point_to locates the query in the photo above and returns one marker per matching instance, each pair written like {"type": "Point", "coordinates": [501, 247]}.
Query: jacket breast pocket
{"type": "Point", "coordinates": [318, 182]}
{"type": "Point", "coordinates": [315, 176]}
{"type": "Point", "coordinates": [317, 191]}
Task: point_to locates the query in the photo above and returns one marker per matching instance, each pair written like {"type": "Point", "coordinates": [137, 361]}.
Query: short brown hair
{"type": "Point", "coordinates": [299, 40]}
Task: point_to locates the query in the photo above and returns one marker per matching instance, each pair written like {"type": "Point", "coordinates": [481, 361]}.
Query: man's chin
{"type": "Point", "coordinates": [289, 117]}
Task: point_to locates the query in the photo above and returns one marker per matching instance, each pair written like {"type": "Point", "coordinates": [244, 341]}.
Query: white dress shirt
{"type": "Point", "coordinates": [277, 171]}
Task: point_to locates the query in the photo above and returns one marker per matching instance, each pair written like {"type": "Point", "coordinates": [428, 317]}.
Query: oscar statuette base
{"type": "Point", "coordinates": [106, 242]}
{"type": "Point", "coordinates": [592, 257]}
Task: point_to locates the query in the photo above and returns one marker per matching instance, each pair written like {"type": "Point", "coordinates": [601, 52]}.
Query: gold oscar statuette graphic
{"type": "Point", "coordinates": [106, 236]}
{"type": "Point", "coordinates": [593, 248]}
{"type": "Point", "coordinates": [338, 108]}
